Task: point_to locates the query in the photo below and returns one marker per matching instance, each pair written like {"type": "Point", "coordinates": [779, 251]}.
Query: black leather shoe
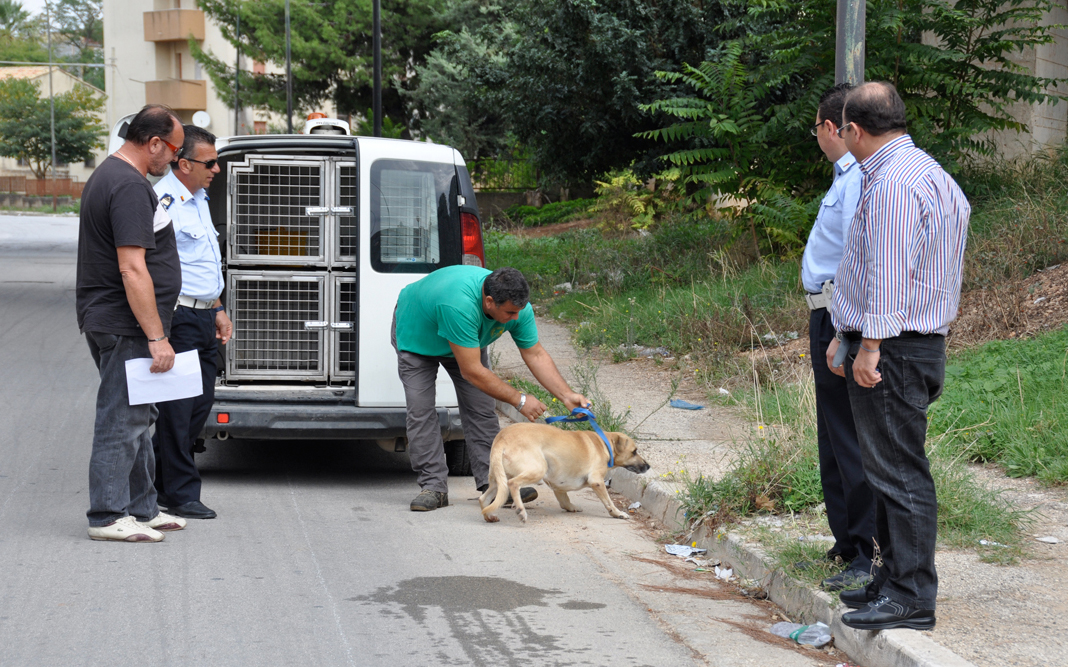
{"type": "Point", "coordinates": [194, 509]}
{"type": "Point", "coordinates": [848, 578]}
{"type": "Point", "coordinates": [858, 598]}
{"type": "Point", "coordinates": [885, 614]}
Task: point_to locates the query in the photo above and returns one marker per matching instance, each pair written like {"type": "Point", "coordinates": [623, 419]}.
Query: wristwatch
{"type": "Point", "coordinates": [220, 308]}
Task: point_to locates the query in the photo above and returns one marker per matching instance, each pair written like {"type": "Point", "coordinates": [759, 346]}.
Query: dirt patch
{"type": "Point", "coordinates": [553, 230]}
{"type": "Point", "coordinates": [1020, 310]}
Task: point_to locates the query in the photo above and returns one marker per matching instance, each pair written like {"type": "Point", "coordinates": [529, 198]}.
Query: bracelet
{"type": "Point", "coordinates": [875, 351]}
{"type": "Point", "coordinates": [156, 340]}
{"type": "Point", "coordinates": [219, 309]}
{"type": "Point", "coordinates": [522, 402]}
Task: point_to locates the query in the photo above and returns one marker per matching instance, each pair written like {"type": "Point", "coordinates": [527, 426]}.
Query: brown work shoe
{"type": "Point", "coordinates": [428, 500]}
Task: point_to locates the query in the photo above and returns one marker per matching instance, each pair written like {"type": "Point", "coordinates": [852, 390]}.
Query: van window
{"type": "Point", "coordinates": [414, 218]}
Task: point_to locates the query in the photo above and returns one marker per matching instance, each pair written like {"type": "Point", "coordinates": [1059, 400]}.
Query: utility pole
{"type": "Point", "coordinates": [51, 101]}
{"type": "Point", "coordinates": [289, 78]}
{"type": "Point", "coordinates": [849, 44]}
{"type": "Point", "coordinates": [376, 101]}
{"type": "Point", "coordinates": [237, 80]}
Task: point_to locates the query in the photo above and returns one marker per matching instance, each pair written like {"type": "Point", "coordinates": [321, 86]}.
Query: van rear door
{"type": "Point", "coordinates": [409, 216]}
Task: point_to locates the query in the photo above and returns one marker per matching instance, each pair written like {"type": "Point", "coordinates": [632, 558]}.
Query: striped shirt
{"type": "Point", "coordinates": [901, 270]}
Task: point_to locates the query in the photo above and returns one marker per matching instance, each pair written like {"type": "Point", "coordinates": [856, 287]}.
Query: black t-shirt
{"type": "Point", "coordinates": [119, 208]}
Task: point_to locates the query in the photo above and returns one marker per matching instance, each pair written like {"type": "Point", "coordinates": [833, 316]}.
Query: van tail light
{"type": "Point", "coordinates": [474, 251]}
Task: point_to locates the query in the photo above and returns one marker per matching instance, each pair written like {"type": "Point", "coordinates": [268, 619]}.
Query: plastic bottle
{"type": "Point", "coordinates": [816, 635]}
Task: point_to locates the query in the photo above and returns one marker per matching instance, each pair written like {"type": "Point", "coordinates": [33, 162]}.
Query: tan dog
{"type": "Point", "coordinates": [525, 454]}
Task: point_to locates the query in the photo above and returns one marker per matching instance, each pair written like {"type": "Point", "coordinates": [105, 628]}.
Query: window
{"type": "Point", "coordinates": [415, 224]}
{"type": "Point", "coordinates": [90, 163]}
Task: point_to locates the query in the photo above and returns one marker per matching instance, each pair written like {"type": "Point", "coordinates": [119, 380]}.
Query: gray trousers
{"type": "Point", "coordinates": [478, 415]}
{"type": "Point", "coordinates": [122, 465]}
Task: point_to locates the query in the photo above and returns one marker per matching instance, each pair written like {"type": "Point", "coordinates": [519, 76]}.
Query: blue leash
{"type": "Point", "coordinates": [584, 415]}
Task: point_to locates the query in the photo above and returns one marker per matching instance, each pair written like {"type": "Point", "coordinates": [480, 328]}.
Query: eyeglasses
{"type": "Point", "coordinates": [814, 130]}
{"type": "Point", "coordinates": [210, 164]}
{"type": "Point", "coordinates": [177, 150]}
{"type": "Point", "coordinates": [839, 132]}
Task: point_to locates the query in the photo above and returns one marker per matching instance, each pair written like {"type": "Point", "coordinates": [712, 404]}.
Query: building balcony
{"type": "Point", "coordinates": [174, 25]}
{"type": "Point", "coordinates": [178, 94]}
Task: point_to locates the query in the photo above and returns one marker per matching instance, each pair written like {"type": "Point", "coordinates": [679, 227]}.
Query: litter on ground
{"type": "Point", "coordinates": [683, 550]}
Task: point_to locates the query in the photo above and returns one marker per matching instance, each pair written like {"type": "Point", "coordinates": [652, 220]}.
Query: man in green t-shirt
{"type": "Point", "coordinates": [448, 318]}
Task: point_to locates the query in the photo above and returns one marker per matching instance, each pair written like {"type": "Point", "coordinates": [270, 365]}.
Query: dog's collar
{"type": "Point", "coordinates": [584, 415]}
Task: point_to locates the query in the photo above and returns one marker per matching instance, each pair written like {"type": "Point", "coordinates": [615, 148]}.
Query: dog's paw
{"type": "Point", "coordinates": [621, 515]}
{"type": "Point", "coordinates": [522, 515]}
{"type": "Point", "coordinates": [491, 518]}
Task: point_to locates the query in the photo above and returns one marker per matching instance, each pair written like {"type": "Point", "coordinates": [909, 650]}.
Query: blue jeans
{"type": "Point", "coordinates": [122, 465]}
{"type": "Point", "coordinates": [891, 421]}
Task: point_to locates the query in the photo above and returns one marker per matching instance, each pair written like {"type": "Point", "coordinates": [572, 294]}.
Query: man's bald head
{"type": "Point", "coordinates": [876, 107]}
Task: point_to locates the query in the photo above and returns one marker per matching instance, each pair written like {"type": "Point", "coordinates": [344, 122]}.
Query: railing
{"type": "Point", "coordinates": [64, 187]}
{"type": "Point", "coordinates": [491, 175]}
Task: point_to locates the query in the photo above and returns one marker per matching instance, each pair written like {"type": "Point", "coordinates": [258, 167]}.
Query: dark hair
{"type": "Point", "coordinates": [154, 120]}
{"type": "Point", "coordinates": [507, 284]}
{"type": "Point", "coordinates": [195, 135]}
{"type": "Point", "coordinates": [876, 107]}
{"type": "Point", "coordinates": [831, 103]}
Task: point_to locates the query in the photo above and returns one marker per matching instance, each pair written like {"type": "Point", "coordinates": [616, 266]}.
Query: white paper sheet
{"type": "Point", "coordinates": [181, 381]}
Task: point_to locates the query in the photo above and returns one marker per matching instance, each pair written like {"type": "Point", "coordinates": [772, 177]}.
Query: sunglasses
{"type": "Point", "coordinates": [177, 150]}
{"type": "Point", "coordinates": [209, 165]}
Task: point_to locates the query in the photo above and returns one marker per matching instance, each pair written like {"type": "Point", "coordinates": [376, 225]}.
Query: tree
{"type": "Point", "coordinates": [459, 98]}
{"type": "Point", "coordinates": [951, 63]}
{"type": "Point", "coordinates": [25, 131]}
{"type": "Point", "coordinates": [80, 25]}
{"type": "Point", "coordinates": [18, 34]}
{"type": "Point", "coordinates": [581, 70]}
{"type": "Point", "coordinates": [331, 50]}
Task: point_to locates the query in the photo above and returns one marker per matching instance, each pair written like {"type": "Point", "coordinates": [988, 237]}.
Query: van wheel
{"type": "Point", "coordinates": [457, 458]}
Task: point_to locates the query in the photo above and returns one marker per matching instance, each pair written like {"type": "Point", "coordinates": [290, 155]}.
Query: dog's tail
{"type": "Point", "coordinates": [499, 479]}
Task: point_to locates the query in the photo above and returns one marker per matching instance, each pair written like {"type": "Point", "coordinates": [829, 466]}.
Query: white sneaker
{"type": "Point", "coordinates": [126, 529]}
{"type": "Point", "coordinates": [165, 522]}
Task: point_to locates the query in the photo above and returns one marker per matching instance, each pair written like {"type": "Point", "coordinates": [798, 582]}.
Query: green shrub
{"type": "Point", "coordinates": [549, 214]}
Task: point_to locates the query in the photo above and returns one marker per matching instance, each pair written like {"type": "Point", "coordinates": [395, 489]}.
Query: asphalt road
{"type": "Point", "coordinates": [315, 558]}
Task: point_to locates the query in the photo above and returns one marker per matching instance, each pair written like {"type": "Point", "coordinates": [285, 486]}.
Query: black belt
{"type": "Point", "coordinates": [857, 336]}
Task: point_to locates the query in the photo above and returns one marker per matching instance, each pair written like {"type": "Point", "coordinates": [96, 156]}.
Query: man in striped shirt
{"type": "Point", "coordinates": [896, 291]}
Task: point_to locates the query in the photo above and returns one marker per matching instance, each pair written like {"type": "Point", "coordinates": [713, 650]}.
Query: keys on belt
{"type": "Point", "coordinates": [823, 298]}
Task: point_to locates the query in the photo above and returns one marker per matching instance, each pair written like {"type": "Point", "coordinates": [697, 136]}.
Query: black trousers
{"type": "Point", "coordinates": [180, 422]}
{"type": "Point", "coordinates": [850, 506]}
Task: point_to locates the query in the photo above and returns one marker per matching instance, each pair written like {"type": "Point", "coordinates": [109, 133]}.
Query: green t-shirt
{"type": "Point", "coordinates": [446, 306]}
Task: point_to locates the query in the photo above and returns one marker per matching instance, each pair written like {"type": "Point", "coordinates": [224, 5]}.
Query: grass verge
{"type": "Point", "coordinates": [777, 472]}
{"type": "Point", "coordinates": [1005, 402]}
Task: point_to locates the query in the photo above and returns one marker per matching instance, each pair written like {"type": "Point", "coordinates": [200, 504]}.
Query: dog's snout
{"type": "Point", "coordinates": [638, 468]}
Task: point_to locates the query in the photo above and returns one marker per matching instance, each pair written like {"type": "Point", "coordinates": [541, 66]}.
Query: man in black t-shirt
{"type": "Point", "coordinates": [127, 287]}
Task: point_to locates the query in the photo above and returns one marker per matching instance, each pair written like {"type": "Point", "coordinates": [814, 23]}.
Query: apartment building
{"type": "Point", "coordinates": [146, 45]}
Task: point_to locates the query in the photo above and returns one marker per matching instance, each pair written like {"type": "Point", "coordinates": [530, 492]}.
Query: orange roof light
{"type": "Point", "coordinates": [316, 114]}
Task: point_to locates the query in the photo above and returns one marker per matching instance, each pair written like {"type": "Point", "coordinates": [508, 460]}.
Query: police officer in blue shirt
{"type": "Point", "coordinates": [200, 322]}
{"type": "Point", "coordinates": [850, 507]}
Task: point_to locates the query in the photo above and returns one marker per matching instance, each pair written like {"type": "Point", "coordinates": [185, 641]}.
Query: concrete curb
{"type": "Point", "coordinates": [885, 648]}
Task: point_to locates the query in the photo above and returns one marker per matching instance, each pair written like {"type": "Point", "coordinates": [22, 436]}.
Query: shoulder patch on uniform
{"type": "Point", "coordinates": [166, 201]}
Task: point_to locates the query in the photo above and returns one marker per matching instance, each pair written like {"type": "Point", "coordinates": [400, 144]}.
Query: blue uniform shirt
{"type": "Point", "coordinates": [198, 243]}
{"type": "Point", "coordinates": [826, 241]}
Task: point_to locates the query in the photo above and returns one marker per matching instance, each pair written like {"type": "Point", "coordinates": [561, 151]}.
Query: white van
{"type": "Point", "coordinates": [319, 234]}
